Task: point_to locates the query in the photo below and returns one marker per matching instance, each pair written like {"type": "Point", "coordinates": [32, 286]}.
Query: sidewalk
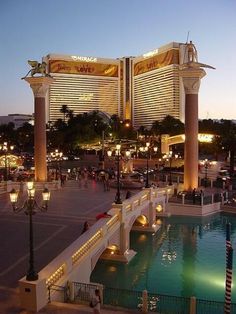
{"type": "Point", "coordinates": [64, 308]}
{"type": "Point", "coordinates": [62, 223]}
{"type": "Point", "coordinates": [10, 304]}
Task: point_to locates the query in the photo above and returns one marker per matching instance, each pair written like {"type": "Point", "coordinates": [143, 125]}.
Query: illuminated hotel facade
{"type": "Point", "coordinates": [141, 89]}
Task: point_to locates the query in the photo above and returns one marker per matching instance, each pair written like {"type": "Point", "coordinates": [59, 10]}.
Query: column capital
{"type": "Point", "coordinates": [39, 85]}
{"type": "Point", "coordinates": [192, 79]}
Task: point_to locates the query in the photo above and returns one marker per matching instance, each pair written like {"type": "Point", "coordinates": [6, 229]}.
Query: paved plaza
{"type": "Point", "coordinates": [54, 230]}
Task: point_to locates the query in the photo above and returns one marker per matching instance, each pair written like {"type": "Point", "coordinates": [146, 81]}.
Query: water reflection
{"type": "Point", "coordinates": [189, 239]}
{"type": "Point", "coordinates": [186, 257]}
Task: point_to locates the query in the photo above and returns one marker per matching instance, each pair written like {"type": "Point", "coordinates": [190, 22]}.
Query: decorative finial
{"type": "Point", "coordinates": [192, 58]}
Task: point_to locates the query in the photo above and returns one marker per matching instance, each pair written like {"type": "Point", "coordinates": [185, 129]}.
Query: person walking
{"type": "Point", "coordinates": [194, 195]}
{"type": "Point", "coordinates": [85, 173]}
{"type": "Point", "coordinates": [85, 227]}
{"type": "Point", "coordinates": [128, 194]}
{"type": "Point", "coordinates": [106, 182]}
{"type": "Point", "coordinates": [79, 179]}
{"type": "Point", "coordinates": [96, 302]}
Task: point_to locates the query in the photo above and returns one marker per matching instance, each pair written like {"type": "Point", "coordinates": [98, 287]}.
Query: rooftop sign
{"type": "Point", "coordinates": [85, 59]}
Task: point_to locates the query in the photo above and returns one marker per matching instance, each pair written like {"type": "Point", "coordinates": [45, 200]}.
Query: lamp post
{"type": "Point", "coordinates": [146, 149]}
{"type": "Point", "coordinates": [125, 168]}
{"type": "Point", "coordinates": [155, 149]}
{"type": "Point", "coordinates": [56, 155]}
{"type": "Point", "coordinates": [6, 148]}
{"type": "Point", "coordinates": [118, 198]}
{"type": "Point", "coordinates": [206, 166]}
{"type": "Point", "coordinates": [30, 207]}
{"type": "Point", "coordinates": [170, 157]}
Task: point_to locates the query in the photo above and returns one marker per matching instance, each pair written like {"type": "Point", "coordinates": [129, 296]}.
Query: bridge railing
{"type": "Point", "coordinates": [65, 266]}
{"type": "Point", "coordinates": [83, 292]}
{"type": "Point", "coordinates": [58, 270]}
{"type": "Point", "coordinates": [60, 290]}
{"type": "Point", "coordinates": [69, 258]}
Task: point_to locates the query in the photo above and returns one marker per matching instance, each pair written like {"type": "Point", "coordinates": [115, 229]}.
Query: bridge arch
{"type": "Point", "coordinates": [167, 140]}
{"type": "Point", "coordinates": [141, 221]}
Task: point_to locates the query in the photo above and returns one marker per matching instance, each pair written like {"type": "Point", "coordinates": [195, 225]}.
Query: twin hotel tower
{"type": "Point", "coordinates": [141, 89]}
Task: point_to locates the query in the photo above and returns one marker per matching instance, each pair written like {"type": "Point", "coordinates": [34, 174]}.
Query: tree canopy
{"type": "Point", "coordinates": [71, 132]}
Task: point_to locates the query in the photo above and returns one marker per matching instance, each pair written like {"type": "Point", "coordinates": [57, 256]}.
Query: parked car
{"type": "Point", "coordinates": [136, 176]}
{"type": "Point", "coordinates": [224, 175]}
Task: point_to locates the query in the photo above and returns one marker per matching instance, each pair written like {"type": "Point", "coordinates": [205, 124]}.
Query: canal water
{"type": "Point", "coordinates": [186, 257]}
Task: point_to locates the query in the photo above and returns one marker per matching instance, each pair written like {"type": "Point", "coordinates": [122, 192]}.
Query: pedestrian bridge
{"type": "Point", "coordinates": [108, 238]}
{"type": "Point", "coordinates": [167, 140]}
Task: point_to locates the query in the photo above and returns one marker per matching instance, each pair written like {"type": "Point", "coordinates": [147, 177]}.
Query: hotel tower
{"type": "Point", "coordinates": [142, 89]}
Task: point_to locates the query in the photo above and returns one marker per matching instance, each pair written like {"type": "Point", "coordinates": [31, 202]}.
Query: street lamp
{"type": "Point", "coordinates": [146, 149]}
{"type": "Point", "coordinates": [206, 166]}
{"type": "Point", "coordinates": [118, 198]}
{"type": "Point", "coordinates": [155, 148]}
{"type": "Point", "coordinates": [57, 156]}
{"type": "Point", "coordinates": [6, 148]}
{"type": "Point", "coordinates": [170, 157]}
{"type": "Point", "coordinates": [30, 207]}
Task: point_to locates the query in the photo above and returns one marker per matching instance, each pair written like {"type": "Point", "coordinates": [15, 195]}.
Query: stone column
{"type": "Point", "coordinates": [124, 239]}
{"type": "Point", "coordinates": [164, 144]}
{"type": "Point", "coordinates": [191, 80]}
{"type": "Point", "coordinates": [40, 86]}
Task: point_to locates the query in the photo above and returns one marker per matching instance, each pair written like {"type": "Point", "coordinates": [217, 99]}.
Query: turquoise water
{"type": "Point", "coordinates": [185, 258]}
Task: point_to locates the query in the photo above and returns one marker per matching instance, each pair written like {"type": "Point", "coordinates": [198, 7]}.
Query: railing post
{"type": "Point", "coordinates": [192, 305]}
{"type": "Point", "coordinates": [124, 238]}
{"type": "Point", "coordinates": [166, 178]}
{"type": "Point", "coordinates": [71, 291]}
{"type": "Point", "coordinates": [212, 198]}
{"type": "Point", "coordinates": [221, 199]}
{"type": "Point", "coordinates": [101, 293]}
{"type": "Point", "coordinates": [145, 301]}
{"type": "Point", "coordinates": [183, 196]}
{"type": "Point", "coordinates": [49, 294]}
{"type": "Point", "coordinates": [167, 196]}
{"type": "Point", "coordinates": [201, 199]}
{"type": "Point", "coordinates": [226, 196]}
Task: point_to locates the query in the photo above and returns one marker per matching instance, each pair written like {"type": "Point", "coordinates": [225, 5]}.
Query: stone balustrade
{"type": "Point", "coordinates": [77, 261]}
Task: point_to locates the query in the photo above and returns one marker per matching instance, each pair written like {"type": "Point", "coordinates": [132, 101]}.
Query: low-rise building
{"type": "Point", "coordinates": [17, 118]}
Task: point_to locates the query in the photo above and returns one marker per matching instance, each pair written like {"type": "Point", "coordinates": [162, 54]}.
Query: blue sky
{"type": "Point", "coordinates": [31, 29]}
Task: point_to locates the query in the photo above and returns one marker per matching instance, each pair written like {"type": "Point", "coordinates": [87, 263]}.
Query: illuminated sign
{"type": "Point", "coordinates": [86, 96]}
{"type": "Point", "coordinates": [83, 68]}
{"type": "Point", "coordinates": [86, 59]}
{"type": "Point", "coordinates": [157, 61]}
{"type": "Point", "coordinates": [205, 138]}
{"type": "Point", "coordinates": [150, 53]}
{"type": "Point", "coordinates": [202, 137]}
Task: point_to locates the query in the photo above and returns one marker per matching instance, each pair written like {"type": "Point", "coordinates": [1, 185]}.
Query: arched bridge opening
{"type": "Point", "coordinates": [167, 140]}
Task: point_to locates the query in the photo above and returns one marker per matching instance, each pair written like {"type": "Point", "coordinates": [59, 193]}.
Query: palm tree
{"type": "Point", "coordinates": [172, 126]}
{"type": "Point", "coordinates": [65, 110]}
{"type": "Point", "coordinates": [228, 140]}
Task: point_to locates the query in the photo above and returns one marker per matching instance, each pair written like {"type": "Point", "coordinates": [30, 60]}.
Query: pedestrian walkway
{"type": "Point", "coordinates": [64, 308]}
{"type": "Point", "coordinates": [69, 207]}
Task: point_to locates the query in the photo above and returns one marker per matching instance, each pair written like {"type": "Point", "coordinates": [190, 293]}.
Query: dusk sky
{"type": "Point", "coordinates": [31, 29]}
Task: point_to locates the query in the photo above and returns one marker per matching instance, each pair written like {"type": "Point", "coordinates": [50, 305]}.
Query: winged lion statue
{"type": "Point", "coordinates": [37, 68]}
